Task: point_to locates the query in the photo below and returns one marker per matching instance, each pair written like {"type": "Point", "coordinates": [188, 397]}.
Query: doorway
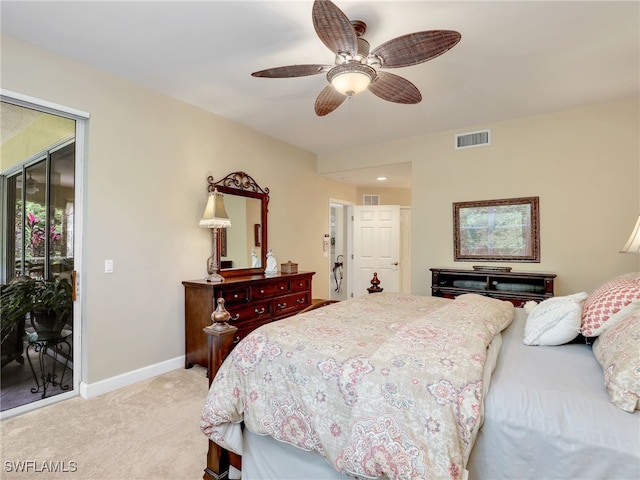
{"type": "Point", "coordinates": [340, 249]}
{"type": "Point", "coordinates": [40, 168]}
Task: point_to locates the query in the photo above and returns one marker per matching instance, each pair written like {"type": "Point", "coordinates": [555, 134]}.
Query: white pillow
{"type": "Point", "coordinates": [555, 321]}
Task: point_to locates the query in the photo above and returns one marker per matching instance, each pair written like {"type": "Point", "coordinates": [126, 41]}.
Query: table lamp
{"type": "Point", "coordinates": [215, 217]}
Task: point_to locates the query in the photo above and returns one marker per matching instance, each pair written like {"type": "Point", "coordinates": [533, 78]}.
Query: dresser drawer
{"type": "Point", "coordinates": [254, 311]}
{"type": "Point", "coordinates": [234, 295]}
{"type": "Point", "coordinates": [271, 289]}
{"type": "Point", "coordinates": [288, 304]}
{"type": "Point", "coordinates": [301, 284]}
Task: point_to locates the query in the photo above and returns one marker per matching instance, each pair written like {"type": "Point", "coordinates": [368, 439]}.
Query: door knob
{"type": "Point", "coordinates": [395, 264]}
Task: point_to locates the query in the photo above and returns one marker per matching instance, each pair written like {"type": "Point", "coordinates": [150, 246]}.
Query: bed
{"type": "Point", "coordinates": [546, 414]}
{"type": "Point", "coordinates": [364, 382]}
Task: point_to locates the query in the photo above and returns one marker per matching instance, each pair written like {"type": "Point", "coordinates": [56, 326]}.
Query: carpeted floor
{"type": "Point", "coordinates": [149, 430]}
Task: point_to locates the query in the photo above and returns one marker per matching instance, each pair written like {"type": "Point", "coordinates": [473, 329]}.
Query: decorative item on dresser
{"type": "Point", "coordinates": [215, 217]}
{"type": "Point", "coordinates": [253, 300]}
{"type": "Point", "coordinates": [516, 287]}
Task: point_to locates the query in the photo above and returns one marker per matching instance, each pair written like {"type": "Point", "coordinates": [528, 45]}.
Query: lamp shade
{"type": "Point", "coordinates": [633, 244]}
{"type": "Point", "coordinates": [215, 215]}
{"type": "Point", "coordinates": [351, 78]}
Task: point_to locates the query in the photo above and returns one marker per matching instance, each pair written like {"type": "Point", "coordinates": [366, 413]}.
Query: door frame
{"type": "Point", "coordinates": [81, 119]}
{"type": "Point", "coordinates": [348, 241]}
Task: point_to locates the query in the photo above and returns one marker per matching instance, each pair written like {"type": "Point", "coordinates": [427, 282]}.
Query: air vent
{"type": "Point", "coordinates": [473, 139]}
{"type": "Point", "coordinates": [368, 200]}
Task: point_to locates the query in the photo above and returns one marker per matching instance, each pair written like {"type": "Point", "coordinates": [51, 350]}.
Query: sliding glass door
{"type": "Point", "coordinates": [40, 210]}
{"type": "Point", "coordinates": [39, 163]}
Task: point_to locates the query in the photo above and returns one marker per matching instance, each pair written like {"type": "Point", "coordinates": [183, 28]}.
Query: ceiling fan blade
{"type": "Point", "coordinates": [328, 100]}
{"type": "Point", "coordinates": [334, 28]}
{"type": "Point", "coordinates": [394, 88]}
{"type": "Point", "coordinates": [415, 48]}
{"type": "Point", "coordinates": [291, 71]}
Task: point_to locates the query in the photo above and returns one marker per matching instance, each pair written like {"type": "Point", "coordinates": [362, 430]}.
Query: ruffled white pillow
{"type": "Point", "coordinates": [555, 321]}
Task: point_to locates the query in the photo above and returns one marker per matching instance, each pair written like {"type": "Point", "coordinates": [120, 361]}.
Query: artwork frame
{"type": "Point", "coordinates": [257, 235]}
{"type": "Point", "coordinates": [223, 242]}
{"type": "Point", "coordinates": [503, 230]}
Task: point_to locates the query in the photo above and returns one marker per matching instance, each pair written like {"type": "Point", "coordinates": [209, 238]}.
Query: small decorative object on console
{"type": "Point", "coordinates": [375, 284]}
{"type": "Point", "coordinates": [487, 268]}
{"type": "Point", "coordinates": [272, 263]}
{"type": "Point", "coordinates": [289, 267]}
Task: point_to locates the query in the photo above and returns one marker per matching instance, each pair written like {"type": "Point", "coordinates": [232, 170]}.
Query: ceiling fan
{"type": "Point", "coordinates": [356, 68]}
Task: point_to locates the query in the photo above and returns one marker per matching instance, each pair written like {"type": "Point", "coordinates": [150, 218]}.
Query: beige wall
{"type": "Point", "coordinates": [584, 164]}
{"type": "Point", "coordinates": [148, 157]}
{"type": "Point", "coordinates": [388, 196]}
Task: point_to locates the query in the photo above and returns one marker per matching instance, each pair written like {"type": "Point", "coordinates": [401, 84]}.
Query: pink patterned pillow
{"type": "Point", "coordinates": [610, 303]}
{"type": "Point", "coordinates": [617, 351]}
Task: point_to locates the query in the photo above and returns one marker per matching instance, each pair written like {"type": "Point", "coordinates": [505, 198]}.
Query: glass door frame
{"type": "Point", "coordinates": [81, 122]}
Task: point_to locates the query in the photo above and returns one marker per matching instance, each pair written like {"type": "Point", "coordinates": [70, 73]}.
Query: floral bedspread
{"type": "Point", "coordinates": [384, 384]}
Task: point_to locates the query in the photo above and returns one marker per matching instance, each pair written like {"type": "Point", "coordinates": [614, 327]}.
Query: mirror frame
{"type": "Point", "coordinates": [533, 237]}
{"type": "Point", "coordinates": [243, 185]}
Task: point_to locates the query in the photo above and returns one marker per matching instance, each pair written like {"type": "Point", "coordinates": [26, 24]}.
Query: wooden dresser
{"type": "Point", "coordinates": [515, 286]}
{"type": "Point", "coordinates": [252, 300]}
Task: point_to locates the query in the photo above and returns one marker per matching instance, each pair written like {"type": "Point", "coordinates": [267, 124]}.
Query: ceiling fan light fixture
{"type": "Point", "coordinates": [351, 78]}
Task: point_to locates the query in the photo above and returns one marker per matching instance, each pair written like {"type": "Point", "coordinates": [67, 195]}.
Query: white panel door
{"type": "Point", "coordinates": [376, 247]}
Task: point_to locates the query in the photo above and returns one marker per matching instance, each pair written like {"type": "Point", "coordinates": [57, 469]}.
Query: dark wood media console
{"type": "Point", "coordinates": [515, 286]}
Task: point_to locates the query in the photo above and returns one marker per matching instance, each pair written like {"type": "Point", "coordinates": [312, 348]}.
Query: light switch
{"type": "Point", "coordinates": [108, 266]}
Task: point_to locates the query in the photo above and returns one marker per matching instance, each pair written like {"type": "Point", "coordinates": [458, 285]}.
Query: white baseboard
{"type": "Point", "coordinates": [91, 390]}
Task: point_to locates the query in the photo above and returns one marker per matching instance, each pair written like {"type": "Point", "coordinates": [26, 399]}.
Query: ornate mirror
{"type": "Point", "coordinates": [242, 248]}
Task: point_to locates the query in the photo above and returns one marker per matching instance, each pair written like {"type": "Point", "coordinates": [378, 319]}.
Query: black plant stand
{"type": "Point", "coordinates": [51, 344]}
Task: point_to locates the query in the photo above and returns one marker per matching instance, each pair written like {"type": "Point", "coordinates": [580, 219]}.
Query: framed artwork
{"type": "Point", "coordinates": [223, 242]}
{"type": "Point", "coordinates": [257, 235]}
{"type": "Point", "coordinates": [506, 230]}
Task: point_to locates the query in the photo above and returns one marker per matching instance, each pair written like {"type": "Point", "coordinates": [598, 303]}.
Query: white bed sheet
{"type": "Point", "coordinates": [265, 458]}
{"type": "Point", "coordinates": [548, 416]}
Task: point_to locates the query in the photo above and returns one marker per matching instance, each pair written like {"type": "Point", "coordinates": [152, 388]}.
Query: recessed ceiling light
{"type": "Point", "coordinates": [381, 179]}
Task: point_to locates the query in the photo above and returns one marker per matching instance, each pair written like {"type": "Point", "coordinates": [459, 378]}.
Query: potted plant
{"type": "Point", "coordinates": [52, 306]}
{"type": "Point", "coordinates": [47, 301]}
{"type": "Point", "coordinates": [15, 303]}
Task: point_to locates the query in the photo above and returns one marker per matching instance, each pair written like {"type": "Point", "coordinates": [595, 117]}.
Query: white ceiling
{"type": "Point", "coordinates": [515, 59]}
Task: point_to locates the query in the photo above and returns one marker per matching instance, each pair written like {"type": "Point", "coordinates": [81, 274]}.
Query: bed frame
{"type": "Point", "coordinates": [220, 342]}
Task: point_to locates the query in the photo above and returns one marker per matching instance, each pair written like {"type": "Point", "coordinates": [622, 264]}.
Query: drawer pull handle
{"type": "Point", "coordinates": [261, 291]}
{"type": "Point", "coordinates": [300, 300]}
{"type": "Point", "coordinates": [281, 287]}
{"type": "Point", "coordinates": [237, 339]}
{"type": "Point", "coordinates": [235, 295]}
{"type": "Point", "coordinates": [282, 305]}
{"type": "Point", "coordinates": [233, 319]}
{"type": "Point", "coordinates": [261, 311]}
